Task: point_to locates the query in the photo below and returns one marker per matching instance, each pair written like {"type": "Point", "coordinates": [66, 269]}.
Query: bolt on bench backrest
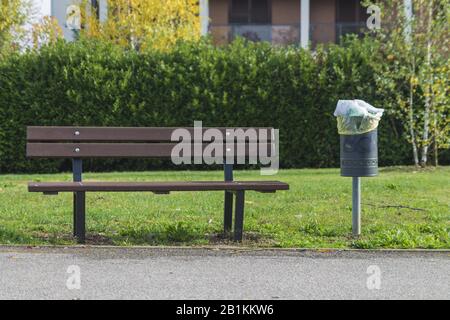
{"type": "Point", "coordinates": [121, 142]}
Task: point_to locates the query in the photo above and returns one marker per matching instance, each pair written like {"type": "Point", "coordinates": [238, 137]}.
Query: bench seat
{"type": "Point", "coordinates": [157, 187]}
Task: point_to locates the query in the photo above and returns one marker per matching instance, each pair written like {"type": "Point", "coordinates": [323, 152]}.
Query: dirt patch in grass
{"type": "Point", "coordinates": [250, 239]}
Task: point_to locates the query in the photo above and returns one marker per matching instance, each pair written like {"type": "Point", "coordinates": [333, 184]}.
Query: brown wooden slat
{"type": "Point", "coordinates": [137, 134]}
{"type": "Point", "coordinates": [113, 150]}
{"type": "Point", "coordinates": [51, 187]}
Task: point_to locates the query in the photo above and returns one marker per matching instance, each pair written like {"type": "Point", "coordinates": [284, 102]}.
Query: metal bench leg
{"type": "Point", "coordinates": [79, 216]}
{"type": "Point", "coordinates": [74, 214]}
{"type": "Point", "coordinates": [79, 203]}
{"type": "Point", "coordinates": [228, 207]}
{"type": "Point", "coordinates": [228, 212]}
{"type": "Point", "coordinates": [239, 215]}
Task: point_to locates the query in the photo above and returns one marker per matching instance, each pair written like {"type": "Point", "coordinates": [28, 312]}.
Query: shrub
{"type": "Point", "coordinates": [243, 84]}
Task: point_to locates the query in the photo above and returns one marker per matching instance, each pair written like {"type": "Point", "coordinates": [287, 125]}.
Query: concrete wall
{"type": "Point", "coordinates": [323, 20]}
{"type": "Point", "coordinates": [286, 11]}
{"type": "Point", "coordinates": [218, 13]}
{"type": "Point", "coordinates": [286, 22]}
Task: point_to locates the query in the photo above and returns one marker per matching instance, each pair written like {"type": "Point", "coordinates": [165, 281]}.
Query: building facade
{"type": "Point", "coordinates": [284, 22]}
{"type": "Point", "coordinates": [280, 22]}
{"type": "Point", "coordinates": [61, 10]}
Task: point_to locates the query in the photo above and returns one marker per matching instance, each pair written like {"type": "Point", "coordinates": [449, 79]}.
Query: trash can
{"type": "Point", "coordinates": [357, 126]}
{"type": "Point", "coordinates": [359, 154]}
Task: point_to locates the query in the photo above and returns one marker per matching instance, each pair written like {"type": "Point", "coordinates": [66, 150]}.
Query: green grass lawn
{"type": "Point", "coordinates": [402, 208]}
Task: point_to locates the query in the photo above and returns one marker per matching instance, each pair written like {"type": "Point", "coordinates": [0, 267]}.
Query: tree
{"type": "Point", "coordinates": [13, 16]}
{"type": "Point", "coordinates": [46, 31]}
{"type": "Point", "coordinates": [413, 69]}
{"type": "Point", "coordinates": [139, 24]}
{"type": "Point", "coordinates": [19, 28]}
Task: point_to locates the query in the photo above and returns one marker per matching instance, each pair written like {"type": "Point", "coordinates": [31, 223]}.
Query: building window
{"type": "Point", "coordinates": [350, 11]}
{"type": "Point", "coordinates": [250, 11]}
{"type": "Point", "coordinates": [351, 18]}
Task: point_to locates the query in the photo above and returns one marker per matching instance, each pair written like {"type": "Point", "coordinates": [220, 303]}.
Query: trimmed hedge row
{"type": "Point", "coordinates": [243, 84]}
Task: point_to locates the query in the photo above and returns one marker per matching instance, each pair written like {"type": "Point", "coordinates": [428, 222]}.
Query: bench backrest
{"type": "Point", "coordinates": [121, 142]}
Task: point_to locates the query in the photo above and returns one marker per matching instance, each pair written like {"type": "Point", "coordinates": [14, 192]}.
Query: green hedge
{"type": "Point", "coordinates": [87, 83]}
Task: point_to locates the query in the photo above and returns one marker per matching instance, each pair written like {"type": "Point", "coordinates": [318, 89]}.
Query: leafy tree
{"type": "Point", "coordinates": [13, 15]}
{"type": "Point", "coordinates": [139, 24]}
{"type": "Point", "coordinates": [46, 31]}
{"type": "Point", "coordinates": [412, 71]}
{"type": "Point", "coordinates": [20, 29]}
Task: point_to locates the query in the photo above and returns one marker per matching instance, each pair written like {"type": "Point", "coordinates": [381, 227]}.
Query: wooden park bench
{"type": "Point", "coordinates": [79, 143]}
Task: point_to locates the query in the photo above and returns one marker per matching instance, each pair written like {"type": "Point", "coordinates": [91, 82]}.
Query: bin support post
{"type": "Point", "coordinates": [356, 206]}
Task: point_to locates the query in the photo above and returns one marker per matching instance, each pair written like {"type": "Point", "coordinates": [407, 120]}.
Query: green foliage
{"type": "Point", "coordinates": [13, 17]}
{"type": "Point", "coordinates": [243, 84]}
{"type": "Point", "coordinates": [412, 69]}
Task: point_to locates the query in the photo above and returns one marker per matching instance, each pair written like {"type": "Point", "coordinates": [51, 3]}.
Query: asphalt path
{"type": "Point", "coordinates": [221, 273]}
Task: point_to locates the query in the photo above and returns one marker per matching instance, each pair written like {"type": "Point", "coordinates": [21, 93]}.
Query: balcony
{"type": "Point", "coordinates": [287, 34]}
{"type": "Point", "coordinates": [332, 32]}
{"type": "Point", "coordinates": [275, 34]}
{"type": "Point", "coordinates": [358, 28]}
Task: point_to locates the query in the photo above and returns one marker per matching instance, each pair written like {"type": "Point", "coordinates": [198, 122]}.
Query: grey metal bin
{"type": "Point", "coordinates": [359, 155]}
